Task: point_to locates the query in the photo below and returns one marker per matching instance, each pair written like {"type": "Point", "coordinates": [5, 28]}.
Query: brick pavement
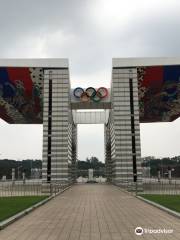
{"type": "Point", "coordinates": [92, 212]}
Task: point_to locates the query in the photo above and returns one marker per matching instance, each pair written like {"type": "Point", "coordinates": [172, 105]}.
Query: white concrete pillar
{"type": "Point", "coordinates": [125, 133]}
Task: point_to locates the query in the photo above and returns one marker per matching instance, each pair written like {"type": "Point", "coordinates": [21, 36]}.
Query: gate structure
{"type": "Point", "coordinates": [38, 91]}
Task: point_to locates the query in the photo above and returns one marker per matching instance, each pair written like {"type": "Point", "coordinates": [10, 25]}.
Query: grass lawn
{"type": "Point", "coordinates": [9, 206]}
{"type": "Point", "coordinates": [170, 201]}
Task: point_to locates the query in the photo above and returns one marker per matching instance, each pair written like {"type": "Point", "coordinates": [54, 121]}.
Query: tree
{"type": "Point", "coordinates": [92, 162]}
{"type": "Point", "coordinates": [6, 166]}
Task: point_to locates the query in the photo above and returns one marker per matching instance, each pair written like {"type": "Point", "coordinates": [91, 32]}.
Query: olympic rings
{"type": "Point", "coordinates": [84, 97]}
{"type": "Point", "coordinates": [78, 92]}
{"type": "Point", "coordinates": [90, 94]}
{"type": "Point", "coordinates": [102, 91]}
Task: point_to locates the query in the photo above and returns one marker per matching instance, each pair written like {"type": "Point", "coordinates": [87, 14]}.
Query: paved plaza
{"type": "Point", "coordinates": [94, 212]}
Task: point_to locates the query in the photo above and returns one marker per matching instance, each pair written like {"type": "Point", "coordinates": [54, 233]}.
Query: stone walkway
{"type": "Point", "coordinates": [92, 212]}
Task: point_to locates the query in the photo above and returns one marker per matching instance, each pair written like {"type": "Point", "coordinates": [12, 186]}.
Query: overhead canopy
{"type": "Point", "coordinates": [93, 117]}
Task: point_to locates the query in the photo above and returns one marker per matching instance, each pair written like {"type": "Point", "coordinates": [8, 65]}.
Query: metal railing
{"type": "Point", "coordinates": [164, 186]}
{"type": "Point", "coordinates": [30, 188]}
{"type": "Point", "coordinates": [152, 186]}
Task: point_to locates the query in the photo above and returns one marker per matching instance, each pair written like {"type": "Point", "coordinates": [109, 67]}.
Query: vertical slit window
{"type": "Point", "coordinates": [133, 130]}
{"type": "Point", "coordinates": [49, 131]}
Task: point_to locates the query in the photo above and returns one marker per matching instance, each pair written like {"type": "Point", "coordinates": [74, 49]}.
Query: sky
{"type": "Point", "coordinates": [89, 33]}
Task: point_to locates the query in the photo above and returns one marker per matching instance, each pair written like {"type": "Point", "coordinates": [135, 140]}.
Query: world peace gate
{"type": "Point", "coordinates": [38, 91]}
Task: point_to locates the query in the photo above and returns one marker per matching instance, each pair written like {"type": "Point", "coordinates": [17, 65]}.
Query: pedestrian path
{"type": "Point", "coordinates": [93, 212]}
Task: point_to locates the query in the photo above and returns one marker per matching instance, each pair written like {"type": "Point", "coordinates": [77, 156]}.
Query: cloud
{"type": "Point", "coordinates": [88, 137]}
{"type": "Point", "coordinates": [20, 141]}
{"type": "Point", "coordinates": [90, 33]}
{"type": "Point", "coordinates": [160, 139]}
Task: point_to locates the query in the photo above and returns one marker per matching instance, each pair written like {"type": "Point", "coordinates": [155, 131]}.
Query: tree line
{"type": "Point", "coordinates": [28, 166]}
{"type": "Point", "coordinates": [93, 163]}
{"type": "Point", "coordinates": [162, 165]}
{"type": "Point", "coordinates": [31, 167]}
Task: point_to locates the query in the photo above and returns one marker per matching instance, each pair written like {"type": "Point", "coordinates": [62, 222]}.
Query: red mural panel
{"type": "Point", "coordinates": [22, 79]}
{"type": "Point", "coordinates": [21, 95]}
{"type": "Point", "coordinates": [159, 93]}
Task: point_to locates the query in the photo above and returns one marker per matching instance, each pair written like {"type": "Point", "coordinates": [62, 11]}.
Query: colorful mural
{"type": "Point", "coordinates": [21, 97]}
{"type": "Point", "coordinates": [21, 94]}
{"type": "Point", "coordinates": [159, 93]}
